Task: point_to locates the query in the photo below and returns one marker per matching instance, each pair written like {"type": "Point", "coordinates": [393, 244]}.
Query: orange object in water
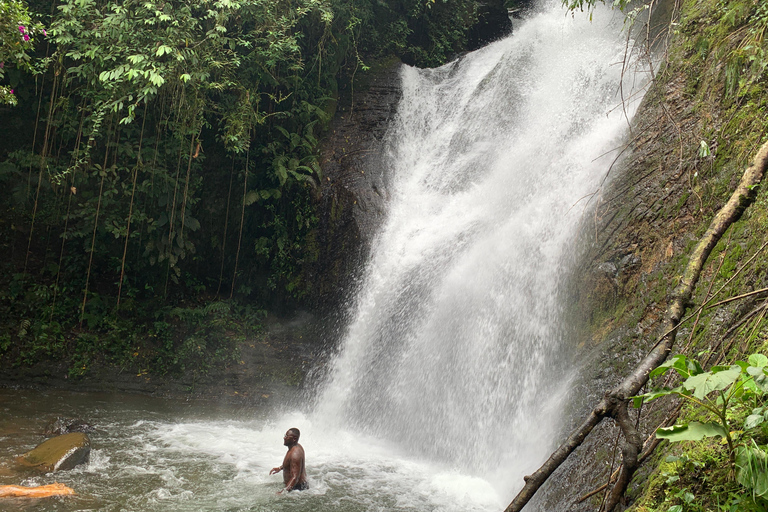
{"type": "Point", "coordinates": [43, 491]}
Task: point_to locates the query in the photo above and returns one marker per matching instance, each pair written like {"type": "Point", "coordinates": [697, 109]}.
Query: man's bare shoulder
{"type": "Point", "coordinates": [296, 451]}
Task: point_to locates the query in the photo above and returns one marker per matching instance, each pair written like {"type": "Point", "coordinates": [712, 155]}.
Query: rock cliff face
{"type": "Point", "coordinates": [354, 190]}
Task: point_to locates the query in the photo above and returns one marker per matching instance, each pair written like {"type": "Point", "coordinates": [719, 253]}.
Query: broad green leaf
{"type": "Point", "coordinates": [693, 431]}
{"type": "Point", "coordinates": [162, 50]}
{"type": "Point", "coordinates": [191, 223]}
{"type": "Point", "coordinates": [759, 360]}
{"type": "Point", "coordinates": [155, 78]}
{"type": "Point", "coordinates": [637, 401]}
{"type": "Point", "coordinates": [252, 196]}
{"type": "Point", "coordinates": [753, 420]}
{"type": "Point", "coordinates": [718, 379]}
{"type": "Point", "coordinates": [283, 131]}
{"type": "Point", "coordinates": [670, 363]}
{"type": "Point", "coordinates": [282, 174]}
{"type": "Point", "coordinates": [752, 464]}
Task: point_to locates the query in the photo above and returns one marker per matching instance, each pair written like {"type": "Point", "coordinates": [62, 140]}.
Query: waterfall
{"type": "Point", "coordinates": [456, 349]}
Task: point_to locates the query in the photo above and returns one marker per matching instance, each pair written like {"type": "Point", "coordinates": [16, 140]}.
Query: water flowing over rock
{"type": "Point", "coordinates": [457, 343]}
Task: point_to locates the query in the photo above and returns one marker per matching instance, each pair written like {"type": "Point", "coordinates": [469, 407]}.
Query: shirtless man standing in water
{"type": "Point", "coordinates": [294, 475]}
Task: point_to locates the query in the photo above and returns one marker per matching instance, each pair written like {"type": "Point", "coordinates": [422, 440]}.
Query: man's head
{"type": "Point", "coordinates": [291, 437]}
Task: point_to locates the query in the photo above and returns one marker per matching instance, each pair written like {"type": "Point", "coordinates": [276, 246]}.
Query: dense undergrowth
{"type": "Point", "coordinates": [159, 164]}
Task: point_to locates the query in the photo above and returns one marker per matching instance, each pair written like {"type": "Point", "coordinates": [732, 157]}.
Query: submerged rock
{"type": "Point", "coordinates": [59, 453]}
{"type": "Point", "coordinates": [60, 426]}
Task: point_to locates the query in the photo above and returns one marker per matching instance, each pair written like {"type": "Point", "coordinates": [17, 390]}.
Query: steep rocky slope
{"type": "Point", "coordinates": [699, 126]}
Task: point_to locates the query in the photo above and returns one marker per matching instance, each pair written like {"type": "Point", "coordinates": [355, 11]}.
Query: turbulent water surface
{"type": "Point", "coordinates": [448, 383]}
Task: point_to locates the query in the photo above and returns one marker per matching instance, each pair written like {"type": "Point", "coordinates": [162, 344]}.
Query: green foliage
{"type": "Point", "coordinates": [174, 161]}
{"type": "Point", "coordinates": [590, 4]}
{"type": "Point", "coordinates": [752, 464]}
{"type": "Point", "coordinates": [717, 391]}
{"type": "Point", "coordinates": [422, 33]}
{"type": "Point", "coordinates": [18, 32]}
{"type": "Point", "coordinates": [748, 62]}
{"type": "Point", "coordinates": [699, 479]}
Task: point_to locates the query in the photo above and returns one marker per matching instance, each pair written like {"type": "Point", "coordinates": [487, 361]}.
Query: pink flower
{"type": "Point", "coordinates": [45, 33]}
{"type": "Point", "coordinates": [22, 29]}
{"type": "Point", "coordinates": [26, 37]}
{"type": "Point", "coordinates": [11, 91]}
{"type": "Point", "coordinates": [2, 65]}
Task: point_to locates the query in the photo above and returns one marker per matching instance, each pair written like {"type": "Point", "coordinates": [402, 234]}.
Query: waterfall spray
{"type": "Point", "coordinates": [456, 348]}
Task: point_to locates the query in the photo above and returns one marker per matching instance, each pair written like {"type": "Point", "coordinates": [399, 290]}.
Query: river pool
{"type": "Point", "coordinates": [151, 454]}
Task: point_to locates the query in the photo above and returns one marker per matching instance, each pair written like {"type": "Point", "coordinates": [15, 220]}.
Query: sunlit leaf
{"type": "Point", "coordinates": [693, 431]}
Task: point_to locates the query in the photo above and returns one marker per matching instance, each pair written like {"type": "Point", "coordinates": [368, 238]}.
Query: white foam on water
{"type": "Point", "coordinates": [345, 469]}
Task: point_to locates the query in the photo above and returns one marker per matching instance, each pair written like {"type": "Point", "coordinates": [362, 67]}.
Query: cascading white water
{"type": "Point", "coordinates": [455, 349]}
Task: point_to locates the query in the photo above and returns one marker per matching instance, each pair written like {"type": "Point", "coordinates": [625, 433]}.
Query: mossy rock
{"type": "Point", "coordinates": [59, 453]}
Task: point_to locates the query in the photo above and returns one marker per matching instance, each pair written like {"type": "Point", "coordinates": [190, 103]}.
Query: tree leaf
{"type": "Point", "coordinates": [251, 197]}
{"type": "Point", "coordinates": [677, 363]}
{"type": "Point", "coordinates": [191, 223]}
{"type": "Point", "coordinates": [163, 49]}
{"type": "Point", "coordinates": [718, 379]}
{"type": "Point", "coordinates": [753, 420]}
{"type": "Point", "coordinates": [758, 360]}
{"type": "Point", "coordinates": [637, 401]}
{"type": "Point", "coordinates": [693, 431]}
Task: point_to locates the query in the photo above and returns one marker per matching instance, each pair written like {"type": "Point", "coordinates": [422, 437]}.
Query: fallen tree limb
{"type": "Point", "coordinates": [42, 491]}
{"type": "Point", "coordinates": [614, 403]}
{"type": "Point", "coordinates": [649, 446]}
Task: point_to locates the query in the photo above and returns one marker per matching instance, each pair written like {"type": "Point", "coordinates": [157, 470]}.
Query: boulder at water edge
{"type": "Point", "coordinates": [59, 453]}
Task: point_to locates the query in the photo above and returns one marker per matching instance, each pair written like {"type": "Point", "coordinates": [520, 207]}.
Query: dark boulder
{"type": "Point", "coordinates": [61, 426]}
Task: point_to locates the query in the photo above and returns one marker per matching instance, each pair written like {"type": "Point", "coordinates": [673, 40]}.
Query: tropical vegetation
{"type": "Point", "coordinates": [161, 157]}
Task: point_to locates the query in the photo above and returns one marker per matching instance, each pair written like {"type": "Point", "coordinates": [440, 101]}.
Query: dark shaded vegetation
{"type": "Point", "coordinates": [160, 169]}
